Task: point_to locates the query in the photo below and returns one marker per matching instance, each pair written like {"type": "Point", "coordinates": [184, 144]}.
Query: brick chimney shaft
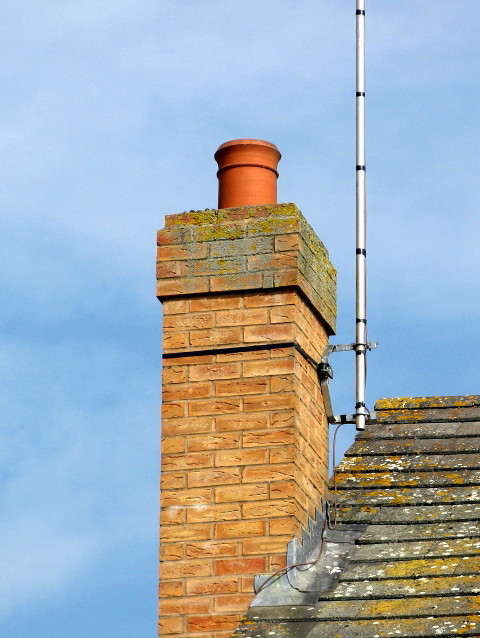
{"type": "Point", "coordinates": [244, 433]}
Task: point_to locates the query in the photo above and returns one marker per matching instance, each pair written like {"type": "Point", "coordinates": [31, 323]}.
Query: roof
{"type": "Point", "coordinates": [409, 491]}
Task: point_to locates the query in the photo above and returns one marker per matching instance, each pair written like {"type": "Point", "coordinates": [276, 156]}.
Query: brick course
{"type": "Point", "coordinates": [244, 435]}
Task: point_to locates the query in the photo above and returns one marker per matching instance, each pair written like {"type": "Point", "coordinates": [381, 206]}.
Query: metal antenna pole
{"type": "Point", "coordinates": [361, 252]}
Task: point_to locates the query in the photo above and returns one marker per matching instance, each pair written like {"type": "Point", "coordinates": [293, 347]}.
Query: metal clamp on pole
{"type": "Point", "coordinates": [325, 373]}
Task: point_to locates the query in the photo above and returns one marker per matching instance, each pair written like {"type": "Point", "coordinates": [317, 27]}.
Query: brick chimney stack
{"type": "Point", "coordinates": [247, 292]}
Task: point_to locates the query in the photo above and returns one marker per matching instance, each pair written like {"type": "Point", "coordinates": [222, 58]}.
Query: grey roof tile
{"type": "Point", "coordinates": [413, 482]}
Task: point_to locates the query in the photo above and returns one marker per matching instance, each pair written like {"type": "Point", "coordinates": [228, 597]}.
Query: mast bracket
{"type": "Point", "coordinates": [325, 373]}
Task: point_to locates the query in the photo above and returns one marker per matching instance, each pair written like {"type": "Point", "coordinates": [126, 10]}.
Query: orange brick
{"type": "Point", "coordinates": [235, 282]}
{"type": "Point", "coordinates": [173, 444]}
{"type": "Point", "coordinates": [269, 509]}
{"type": "Point", "coordinates": [282, 384]}
{"type": "Point", "coordinates": [282, 526]}
{"type": "Point", "coordinates": [287, 242]}
{"type": "Point", "coordinates": [214, 477]}
{"type": "Point", "coordinates": [213, 622]}
{"type": "Point", "coordinates": [268, 437]}
{"type": "Point", "coordinates": [268, 367]}
{"type": "Point", "coordinates": [244, 386]}
{"type": "Point", "coordinates": [239, 493]}
{"type": "Point", "coordinates": [199, 496]}
{"type": "Point", "coordinates": [276, 563]}
{"type": "Point", "coordinates": [241, 422]}
{"type": "Point", "coordinates": [172, 515]}
{"type": "Point", "coordinates": [169, 236]}
{"type": "Point", "coordinates": [224, 458]}
{"type": "Point", "coordinates": [284, 455]}
{"type": "Point", "coordinates": [268, 473]}
{"type": "Point", "coordinates": [200, 586]}
{"type": "Point", "coordinates": [215, 371]}
{"type": "Point", "coordinates": [174, 306]}
{"type": "Point", "coordinates": [213, 406]}
{"type": "Point", "coordinates": [180, 360]}
{"type": "Point", "coordinates": [178, 392]}
{"type": "Point", "coordinates": [282, 419]}
{"type": "Point", "coordinates": [211, 548]}
{"type": "Point", "coordinates": [213, 441]}
{"type": "Point", "coordinates": [187, 461]}
{"type": "Point", "coordinates": [246, 584]}
{"type": "Point", "coordinates": [174, 340]}
{"type": "Point", "coordinates": [216, 302]}
{"type": "Point", "coordinates": [173, 410]}
{"type": "Point", "coordinates": [278, 332]}
{"type": "Point", "coordinates": [272, 261]}
{"type": "Point", "coordinates": [185, 605]}
{"type": "Point", "coordinates": [255, 300]}
{"type": "Point", "coordinates": [265, 546]}
{"type": "Point", "coordinates": [239, 565]}
{"type": "Point", "coordinates": [174, 374]}
{"type": "Point", "coordinates": [220, 266]}
{"type": "Point", "coordinates": [185, 569]}
{"type": "Point", "coordinates": [187, 426]}
{"type": "Point", "coordinates": [171, 588]}
{"type": "Point", "coordinates": [213, 513]}
{"type": "Point", "coordinates": [282, 489]}
{"type": "Point", "coordinates": [214, 337]}
{"type": "Point", "coordinates": [269, 402]}
{"type": "Point", "coordinates": [181, 286]}
{"type": "Point", "coordinates": [197, 532]}
{"type": "Point", "coordinates": [170, 625]}
{"type": "Point", "coordinates": [279, 353]}
{"type": "Point", "coordinates": [182, 251]}
{"type": "Point", "coordinates": [241, 317]}
{"type": "Point", "coordinates": [190, 321]}
{"type": "Point", "coordinates": [172, 269]}
{"type": "Point", "coordinates": [233, 602]}
{"type": "Point", "coordinates": [171, 551]}
{"type": "Point", "coordinates": [282, 314]}
{"type": "Point", "coordinates": [172, 480]}
{"type": "Point", "coordinates": [240, 529]}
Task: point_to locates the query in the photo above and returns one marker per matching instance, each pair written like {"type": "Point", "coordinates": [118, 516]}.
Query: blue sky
{"type": "Point", "coordinates": [110, 115]}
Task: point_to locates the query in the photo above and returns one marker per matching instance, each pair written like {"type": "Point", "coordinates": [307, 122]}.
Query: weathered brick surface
{"type": "Point", "coordinates": [244, 435]}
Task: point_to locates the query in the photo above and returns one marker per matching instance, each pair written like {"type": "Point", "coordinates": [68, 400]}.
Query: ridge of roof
{"type": "Point", "coordinates": [412, 480]}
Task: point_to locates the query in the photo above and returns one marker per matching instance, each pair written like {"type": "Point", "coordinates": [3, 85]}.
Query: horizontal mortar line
{"type": "Point", "coordinates": [393, 597]}
{"type": "Point", "coordinates": [407, 559]}
{"type": "Point", "coordinates": [409, 453]}
{"type": "Point", "coordinates": [430, 539]}
{"type": "Point", "coordinates": [424, 437]}
{"type": "Point", "coordinates": [408, 470]}
{"type": "Point", "coordinates": [394, 488]}
{"type": "Point", "coordinates": [391, 507]}
{"type": "Point", "coordinates": [329, 619]}
{"type": "Point", "coordinates": [244, 348]}
{"type": "Point", "coordinates": [434, 419]}
{"type": "Point", "coordinates": [435, 521]}
{"type": "Point", "coordinates": [378, 579]}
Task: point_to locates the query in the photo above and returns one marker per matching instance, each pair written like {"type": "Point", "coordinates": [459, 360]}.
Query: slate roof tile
{"type": "Point", "coordinates": [413, 481]}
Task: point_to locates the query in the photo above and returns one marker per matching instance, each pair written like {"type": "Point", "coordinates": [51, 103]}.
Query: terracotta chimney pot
{"type": "Point", "coordinates": [247, 173]}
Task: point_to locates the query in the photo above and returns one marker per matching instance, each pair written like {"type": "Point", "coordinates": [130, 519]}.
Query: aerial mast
{"type": "Point", "coordinates": [361, 411]}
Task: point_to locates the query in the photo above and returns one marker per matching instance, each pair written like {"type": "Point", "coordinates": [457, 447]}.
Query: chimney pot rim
{"type": "Point", "coordinates": [247, 142]}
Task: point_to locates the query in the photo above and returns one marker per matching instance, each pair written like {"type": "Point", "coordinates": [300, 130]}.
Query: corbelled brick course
{"type": "Point", "coordinates": [248, 248]}
{"type": "Point", "coordinates": [244, 434]}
